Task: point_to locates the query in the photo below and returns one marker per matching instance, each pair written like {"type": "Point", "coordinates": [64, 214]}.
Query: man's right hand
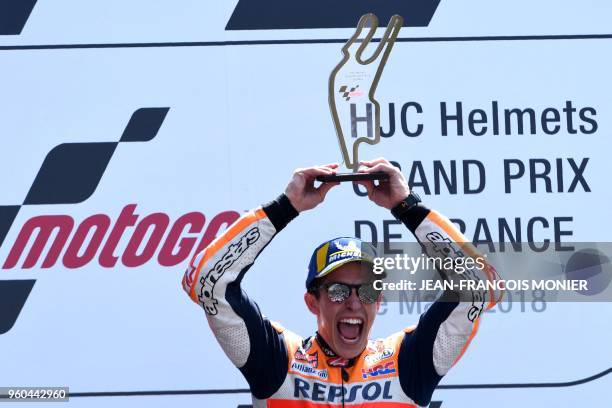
{"type": "Point", "coordinates": [301, 190]}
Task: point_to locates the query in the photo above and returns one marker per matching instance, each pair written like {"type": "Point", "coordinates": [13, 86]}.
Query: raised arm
{"type": "Point", "coordinates": [213, 279]}
{"type": "Point", "coordinates": [444, 332]}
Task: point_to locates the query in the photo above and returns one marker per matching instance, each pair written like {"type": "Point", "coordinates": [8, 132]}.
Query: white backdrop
{"type": "Point", "coordinates": [240, 119]}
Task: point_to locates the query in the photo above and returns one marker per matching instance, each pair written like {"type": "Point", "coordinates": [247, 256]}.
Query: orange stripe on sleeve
{"type": "Point", "coordinates": [453, 232]}
{"type": "Point", "coordinates": [446, 225]}
{"type": "Point", "coordinates": [236, 228]}
{"type": "Point", "coordinates": [467, 247]}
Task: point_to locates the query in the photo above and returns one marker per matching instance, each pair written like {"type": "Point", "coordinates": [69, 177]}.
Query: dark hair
{"type": "Point", "coordinates": [313, 288]}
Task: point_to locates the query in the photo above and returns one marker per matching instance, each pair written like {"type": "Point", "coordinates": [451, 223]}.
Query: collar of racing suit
{"type": "Point", "coordinates": [333, 359]}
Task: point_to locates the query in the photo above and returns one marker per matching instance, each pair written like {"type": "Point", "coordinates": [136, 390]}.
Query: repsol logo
{"type": "Point", "coordinates": [282, 14]}
{"type": "Point", "coordinates": [433, 404]}
{"type": "Point", "coordinates": [14, 14]}
{"type": "Point", "coordinates": [315, 391]}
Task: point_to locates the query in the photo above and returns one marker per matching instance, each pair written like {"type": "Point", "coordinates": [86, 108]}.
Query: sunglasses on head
{"type": "Point", "coordinates": [338, 292]}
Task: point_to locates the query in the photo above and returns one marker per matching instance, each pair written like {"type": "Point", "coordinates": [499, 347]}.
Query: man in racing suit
{"type": "Point", "coordinates": [338, 366]}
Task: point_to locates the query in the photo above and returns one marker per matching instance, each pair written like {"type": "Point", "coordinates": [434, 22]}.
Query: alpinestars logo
{"type": "Point", "coordinates": [14, 14]}
{"type": "Point", "coordinates": [69, 174]}
{"type": "Point", "coordinates": [282, 14]}
{"type": "Point", "coordinates": [208, 281]}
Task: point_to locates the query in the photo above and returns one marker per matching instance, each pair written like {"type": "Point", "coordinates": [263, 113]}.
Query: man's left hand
{"type": "Point", "coordinates": [388, 193]}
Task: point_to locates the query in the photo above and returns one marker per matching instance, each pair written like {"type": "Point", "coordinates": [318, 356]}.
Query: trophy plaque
{"type": "Point", "coordinates": [351, 94]}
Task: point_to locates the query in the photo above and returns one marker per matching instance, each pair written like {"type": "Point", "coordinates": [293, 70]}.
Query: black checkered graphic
{"type": "Point", "coordinates": [71, 172]}
{"type": "Point", "coordinates": [346, 91]}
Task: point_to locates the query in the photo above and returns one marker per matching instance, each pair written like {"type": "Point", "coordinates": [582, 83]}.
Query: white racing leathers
{"type": "Point", "coordinates": [284, 369]}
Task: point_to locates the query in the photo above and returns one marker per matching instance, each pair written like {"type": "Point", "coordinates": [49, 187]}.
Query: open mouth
{"type": "Point", "coordinates": [350, 329]}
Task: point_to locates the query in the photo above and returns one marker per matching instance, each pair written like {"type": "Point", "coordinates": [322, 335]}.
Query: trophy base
{"type": "Point", "coordinates": [378, 175]}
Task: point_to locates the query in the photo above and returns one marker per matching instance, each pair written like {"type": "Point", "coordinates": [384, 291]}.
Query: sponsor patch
{"type": "Point", "coordinates": [312, 359]}
{"type": "Point", "coordinates": [380, 369]}
{"type": "Point", "coordinates": [307, 344]}
{"type": "Point", "coordinates": [377, 356]}
{"type": "Point", "coordinates": [307, 370]}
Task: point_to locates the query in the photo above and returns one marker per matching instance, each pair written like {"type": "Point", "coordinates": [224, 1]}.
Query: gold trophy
{"type": "Point", "coordinates": [352, 85]}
